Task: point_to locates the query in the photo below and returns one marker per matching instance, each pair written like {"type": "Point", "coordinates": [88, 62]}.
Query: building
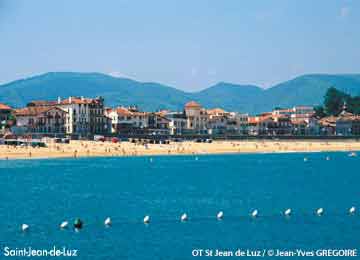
{"type": "Point", "coordinates": [327, 125]}
{"type": "Point", "coordinates": [284, 112]}
{"type": "Point", "coordinates": [304, 110]}
{"type": "Point", "coordinates": [5, 115]}
{"type": "Point", "coordinates": [41, 119]}
{"type": "Point", "coordinates": [269, 124]}
{"type": "Point", "coordinates": [128, 120]}
{"type": "Point", "coordinates": [218, 121]}
{"type": "Point", "coordinates": [177, 123]}
{"type": "Point", "coordinates": [237, 123]}
{"type": "Point", "coordinates": [302, 119]}
{"type": "Point", "coordinates": [196, 117]}
{"type": "Point", "coordinates": [159, 124]}
{"type": "Point", "coordinates": [347, 124]}
{"type": "Point", "coordinates": [85, 116]}
{"type": "Point", "coordinates": [258, 125]}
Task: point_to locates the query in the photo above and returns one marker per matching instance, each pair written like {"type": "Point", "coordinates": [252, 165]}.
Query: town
{"type": "Point", "coordinates": [86, 118]}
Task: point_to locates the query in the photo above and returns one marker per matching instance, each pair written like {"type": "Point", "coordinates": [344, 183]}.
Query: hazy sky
{"type": "Point", "coordinates": [188, 44]}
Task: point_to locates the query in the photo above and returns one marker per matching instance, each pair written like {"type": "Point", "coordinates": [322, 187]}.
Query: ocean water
{"type": "Point", "coordinates": [43, 193]}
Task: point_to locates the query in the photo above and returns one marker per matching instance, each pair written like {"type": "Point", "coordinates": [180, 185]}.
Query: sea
{"type": "Point", "coordinates": [42, 193]}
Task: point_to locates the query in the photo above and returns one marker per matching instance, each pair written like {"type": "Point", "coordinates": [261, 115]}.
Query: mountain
{"type": "Point", "coordinates": [310, 89]}
{"type": "Point", "coordinates": [230, 96]}
{"type": "Point", "coordinates": [116, 91]}
{"type": "Point", "coordinates": [303, 90]}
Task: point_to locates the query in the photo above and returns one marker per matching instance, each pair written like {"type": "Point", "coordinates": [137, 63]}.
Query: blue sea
{"type": "Point", "coordinates": [43, 193]}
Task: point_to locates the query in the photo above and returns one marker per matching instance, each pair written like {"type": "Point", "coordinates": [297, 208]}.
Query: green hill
{"type": "Point", "coordinates": [303, 90]}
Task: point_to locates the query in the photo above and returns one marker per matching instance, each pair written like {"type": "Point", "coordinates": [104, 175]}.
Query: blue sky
{"type": "Point", "coordinates": [188, 44]}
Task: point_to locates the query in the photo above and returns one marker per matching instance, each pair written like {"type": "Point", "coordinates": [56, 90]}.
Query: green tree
{"type": "Point", "coordinates": [319, 111]}
{"type": "Point", "coordinates": [353, 105]}
{"type": "Point", "coordinates": [278, 108]}
{"type": "Point", "coordinates": [334, 101]}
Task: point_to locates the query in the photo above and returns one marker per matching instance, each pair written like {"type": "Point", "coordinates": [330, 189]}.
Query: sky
{"type": "Point", "coordinates": [187, 44]}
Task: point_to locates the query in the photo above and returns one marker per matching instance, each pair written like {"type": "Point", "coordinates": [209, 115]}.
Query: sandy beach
{"type": "Point", "coordinates": [96, 149]}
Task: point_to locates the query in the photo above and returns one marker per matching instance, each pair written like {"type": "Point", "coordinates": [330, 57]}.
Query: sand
{"type": "Point", "coordinates": [95, 149]}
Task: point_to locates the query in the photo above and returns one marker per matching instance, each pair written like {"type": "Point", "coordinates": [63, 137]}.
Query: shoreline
{"type": "Point", "coordinates": [167, 155]}
{"type": "Point", "coordinates": [87, 149]}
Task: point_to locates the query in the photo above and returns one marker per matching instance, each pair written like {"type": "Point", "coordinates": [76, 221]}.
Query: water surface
{"type": "Point", "coordinates": [43, 193]}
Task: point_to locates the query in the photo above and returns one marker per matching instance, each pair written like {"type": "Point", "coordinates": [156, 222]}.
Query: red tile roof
{"type": "Point", "coordinates": [126, 112]}
{"type": "Point", "coordinates": [123, 111]}
{"type": "Point", "coordinates": [253, 120]}
{"type": "Point", "coordinates": [4, 107]}
{"type": "Point", "coordinates": [192, 104]}
{"type": "Point", "coordinates": [77, 100]}
{"type": "Point", "coordinates": [67, 101]}
{"type": "Point", "coordinates": [42, 103]}
{"type": "Point", "coordinates": [328, 121]}
{"type": "Point", "coordinates": [34, 111]}
{"type": "Point", "coordinates": [216, 111]}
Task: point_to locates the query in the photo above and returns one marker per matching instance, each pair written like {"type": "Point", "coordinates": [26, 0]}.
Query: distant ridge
{"type": "Point", "coordinates": [303, 90]}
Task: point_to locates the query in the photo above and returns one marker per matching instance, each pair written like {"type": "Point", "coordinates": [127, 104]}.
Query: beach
{"type": "Point", "coordinates": [107, 149]}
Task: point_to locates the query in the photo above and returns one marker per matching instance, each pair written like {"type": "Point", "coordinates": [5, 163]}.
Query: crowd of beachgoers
{"type": "Point", "coordinates": [77, 148]}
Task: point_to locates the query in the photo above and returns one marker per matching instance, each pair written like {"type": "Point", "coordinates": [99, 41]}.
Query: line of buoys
{"type": "Point", "coordinates": [78, 223]}
{"type": "Point", "coordinates": [328, 158]}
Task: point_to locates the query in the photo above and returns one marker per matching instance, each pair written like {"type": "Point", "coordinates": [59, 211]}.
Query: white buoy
{"type": "Point", "coordinates": [220, 215]}
{"type": "Point", "coordinates": [287, 212]}
{"type": "Point", "coordinates": [352, 154]}
{"type": "Point", "coordinates": [64, 224]}
{"type": "Point", "coordinates": [305, 159]}
{"type": "Point", "coordinates": [320, 211]}
{"type": "Point", "coordinates": [184, 217]}
{"type": "Point", "coordinates": [196, 158]}
{"type": "Point", "coordinates": [147, 219]}
{"type": "Point", "coordinates": [107, 221]}
{"type": "Point", "coordinates": [255, 213]}
{"type": "Point", "coordinates": [151, 160]}
{"type": "Point", "coordinates": [24, 227]}
{"type": "Point", "coordinates": [327, 158]}
{"type": "Point", "coordinates": [352, 210]}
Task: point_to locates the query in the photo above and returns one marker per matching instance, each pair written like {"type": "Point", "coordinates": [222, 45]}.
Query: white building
{"type": "Point", "coordinates": [46, 119]}
{"type": "Point", "coordinates": [84, 115]}
{"type": "Point", "coordinates": [125, 120]}
{"type": "Point", "coordinates": [177, 123]}
{"type": "Point", "coordinates": [197, 118]}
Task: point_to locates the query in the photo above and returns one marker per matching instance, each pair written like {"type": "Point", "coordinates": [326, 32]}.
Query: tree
{"type": "Point", "coordinates": [278, 108]}
{"type": "Point", "coordinates": [319, 111]}
{"type": "Point", "coordinates": [334, 101]}
{"type": "Point", "coordinates": [353, 105]}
